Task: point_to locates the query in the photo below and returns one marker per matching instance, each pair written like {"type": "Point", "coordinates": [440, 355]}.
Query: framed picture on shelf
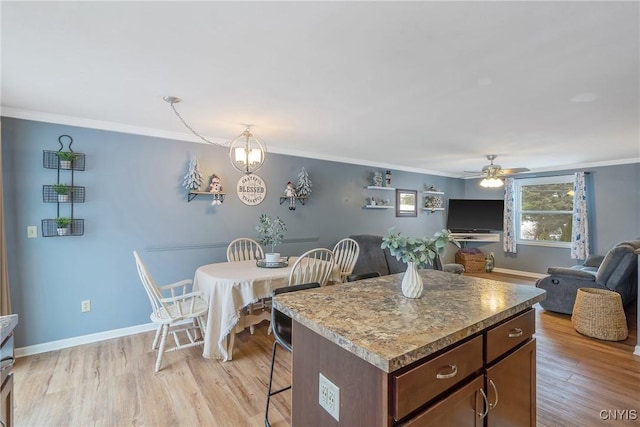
{"type": "Point", "coordinates": [406, 203]}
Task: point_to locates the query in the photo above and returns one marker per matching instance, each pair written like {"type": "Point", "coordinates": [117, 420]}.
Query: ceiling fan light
{"type": "Point", "coordinates": [491, 182]}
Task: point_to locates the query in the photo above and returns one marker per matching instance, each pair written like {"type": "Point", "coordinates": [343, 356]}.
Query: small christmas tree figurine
{"type": "Point", "coordinates": [303, 189]}
{"type": "Point", "coordinates": [193, 178]}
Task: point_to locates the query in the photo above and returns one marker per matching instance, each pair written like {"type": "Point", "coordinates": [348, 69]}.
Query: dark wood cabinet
{"type": "Point", "coordinates": [466, 407]}
{"type": "Point", "coordinates": [511, 389]}
{"type": "Point", "coordinates": [6, 402]}
{"type": "Point", "coordinates": [486, 380]}
{"type": "Point", "coordinates": [7, 359]}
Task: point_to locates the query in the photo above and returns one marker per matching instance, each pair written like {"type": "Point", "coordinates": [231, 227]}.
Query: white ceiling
{"type": "Point", "coordinates": [423, 86]}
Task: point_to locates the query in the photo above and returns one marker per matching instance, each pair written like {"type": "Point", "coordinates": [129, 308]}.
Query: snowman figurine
{"type": "Point", "coordinates": [290, 192]}
{"type": "Point", "coordinates": [215, 187]}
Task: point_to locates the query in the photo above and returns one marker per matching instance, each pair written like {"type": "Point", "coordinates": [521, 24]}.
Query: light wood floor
{"type": "Point", "coordinates": [111, 383]}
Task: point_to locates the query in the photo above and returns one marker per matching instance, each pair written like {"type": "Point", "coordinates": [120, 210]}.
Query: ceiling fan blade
{"type": "Point", "coordinates": [512, 171]}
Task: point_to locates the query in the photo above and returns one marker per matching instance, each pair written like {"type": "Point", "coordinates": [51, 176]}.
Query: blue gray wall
{"type": "Point", "coordinates": [135, 201]}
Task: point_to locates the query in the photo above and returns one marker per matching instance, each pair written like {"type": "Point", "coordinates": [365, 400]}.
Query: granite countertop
{"type": "Point", "coordinates": [7, 324]}
{"type": "Point", "coordinates": [374, 321]}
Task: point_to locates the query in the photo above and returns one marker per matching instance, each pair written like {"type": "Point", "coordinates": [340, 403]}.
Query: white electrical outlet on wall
{"type": "Point", "coordinates": [329, 397]}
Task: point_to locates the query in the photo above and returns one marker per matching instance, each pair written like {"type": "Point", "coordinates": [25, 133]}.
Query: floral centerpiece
{"type": "Point", "coordinates": [417, 253]}
{"type": "Point", "coordinates": [271, 232]}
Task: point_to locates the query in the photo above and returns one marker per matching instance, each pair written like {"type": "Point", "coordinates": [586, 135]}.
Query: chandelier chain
{"type": "Point", "coordinates": [192, 129]}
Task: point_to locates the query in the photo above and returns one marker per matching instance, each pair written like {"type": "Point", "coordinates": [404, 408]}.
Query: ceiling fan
{"type": "Point", "coordinates": [492, 172]}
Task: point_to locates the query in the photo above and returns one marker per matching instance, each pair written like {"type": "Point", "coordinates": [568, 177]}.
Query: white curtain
{"type": "Point", "coordinates": [580, 225]}
{"type": "Point", "coordinates": [509, 237]}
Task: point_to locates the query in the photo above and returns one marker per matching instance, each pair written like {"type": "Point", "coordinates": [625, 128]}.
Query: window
{"type": "Point", "coordinates": [544, 211]}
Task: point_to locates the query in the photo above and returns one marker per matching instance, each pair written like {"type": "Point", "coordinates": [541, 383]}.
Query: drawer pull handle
{"type": "Point", "coordinates": [515, 333]}
{"type": "Point", "coordinates": [486, 405]}
{"type": "Point", "coordinates": [495, 390]}
{"type": "Point", "coordinates": [453, 373]}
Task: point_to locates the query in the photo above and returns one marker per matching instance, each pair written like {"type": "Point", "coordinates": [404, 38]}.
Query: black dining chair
{"type": "Point", "coordinates": [362, 276]}
{"type": "Point", "coordinates": [281, 325]}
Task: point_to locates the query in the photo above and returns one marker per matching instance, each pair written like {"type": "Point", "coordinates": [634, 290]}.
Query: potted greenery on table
{"type": "Point", "coordinates": [63, 225]}
{"type": "Point", "coordinates": [417, 253]}
{"type": "Point", "coordinates": [63, 191]}
{"type": "Point", "coordinates": [271, 232]}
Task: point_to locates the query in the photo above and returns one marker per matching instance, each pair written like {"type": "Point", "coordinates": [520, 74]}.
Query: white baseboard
{"type": "Point", "coordinates": [520, 273]}
{"type": "Point", "coordinates": [637, 352]}
{"type": "Point", "coordinates": [84, 339]}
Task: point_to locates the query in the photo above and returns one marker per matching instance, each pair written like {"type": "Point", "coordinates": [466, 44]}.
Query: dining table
{"type": "Point", "coordinates": [229, 288]}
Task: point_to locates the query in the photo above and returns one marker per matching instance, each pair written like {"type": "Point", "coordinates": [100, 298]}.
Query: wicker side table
{"type": "Point", "coordinates": [598, 313]}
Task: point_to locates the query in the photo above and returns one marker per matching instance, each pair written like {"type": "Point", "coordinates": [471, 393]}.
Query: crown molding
{"type": "Point", "coordinates": [102, 125]}
{"type": "Point", "coordinates": [184, 136]}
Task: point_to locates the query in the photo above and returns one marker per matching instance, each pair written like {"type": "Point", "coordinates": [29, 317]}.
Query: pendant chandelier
{"type": "Point", "coordinates": [246, 152]}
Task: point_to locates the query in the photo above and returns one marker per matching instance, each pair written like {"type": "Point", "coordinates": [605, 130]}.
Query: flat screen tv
{"type": "Point", "coordinates": [474, 216]}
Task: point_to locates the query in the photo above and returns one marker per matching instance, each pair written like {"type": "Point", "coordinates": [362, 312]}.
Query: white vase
{"type": "Point", "coordinates": [63, 198]}
{"type": "Point", "coordinates": [412, 282]}
{"type": "Point", "coordinates": [272, 257]}
{"type": "Point", "coordinates": [62, 231]}
{"type": "Point", "coordinates": [65, 164]}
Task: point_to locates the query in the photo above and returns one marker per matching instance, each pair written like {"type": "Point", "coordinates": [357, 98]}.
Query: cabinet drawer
{"type": "Point", "coordinates": [509, 334]}
{"type": "Point", "coordinates": [419, 385]}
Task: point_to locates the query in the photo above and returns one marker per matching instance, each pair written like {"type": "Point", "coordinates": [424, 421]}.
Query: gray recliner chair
{"type": "Point", "coordinates": [617, 271]}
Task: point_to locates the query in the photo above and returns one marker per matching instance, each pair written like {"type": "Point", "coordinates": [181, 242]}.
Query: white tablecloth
{"type": "Point", "coordinates": [230, 286]}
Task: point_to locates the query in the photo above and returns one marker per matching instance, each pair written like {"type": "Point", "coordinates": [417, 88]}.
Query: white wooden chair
{"type": "Point", "coordinates": [244, 249]}
{"type": "Point", "coordinates": [345, 253]}
{"type": "Point", "coordinates": [315, 265]}
{"type": "Point", "coordinates": [176, 305]}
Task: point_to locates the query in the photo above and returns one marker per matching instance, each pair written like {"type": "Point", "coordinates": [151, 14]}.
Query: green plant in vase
{"type": "Point", "coordinates": [271, 232]}
{"type": "Point", "coordinates": [417, 253]}
{"type": "Point", "coordinates": [66, 158]}
{"type": "Point", "coordinates": [63, 225]}
{"type": "Point", "coordinates": [63, 191]}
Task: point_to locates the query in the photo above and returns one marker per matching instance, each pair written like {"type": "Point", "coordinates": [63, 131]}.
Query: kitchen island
{"type": "Point", "coordinates": [462, 354]}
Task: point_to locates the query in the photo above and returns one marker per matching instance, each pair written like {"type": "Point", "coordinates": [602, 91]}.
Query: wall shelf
{"type": "Point", "coordinates": [193, 194]}
{"type": "Point", "coordinates": [476, 237]}
{"type": "Point", "coordinates": [301, 199]}
{"type": "Point", "coordinates": [432, 201]}
{"type": "Point", "coordinates": [375, 187]}
{"type": "Point", "coordinates": [49, 195]}
{"type": "Point", "coordinates": [379, 206]}
{"type": "Point", "coordinates": [51, 160]}
{"type": "Point", "coordinates": [50, 228]}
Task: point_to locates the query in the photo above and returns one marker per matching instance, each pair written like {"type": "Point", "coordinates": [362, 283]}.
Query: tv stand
{"type": "Point", "coordinates": [476, 237]}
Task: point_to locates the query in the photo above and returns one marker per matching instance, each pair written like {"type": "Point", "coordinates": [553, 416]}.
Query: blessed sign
{"type": "Point", "coordinates": [251, 189]}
